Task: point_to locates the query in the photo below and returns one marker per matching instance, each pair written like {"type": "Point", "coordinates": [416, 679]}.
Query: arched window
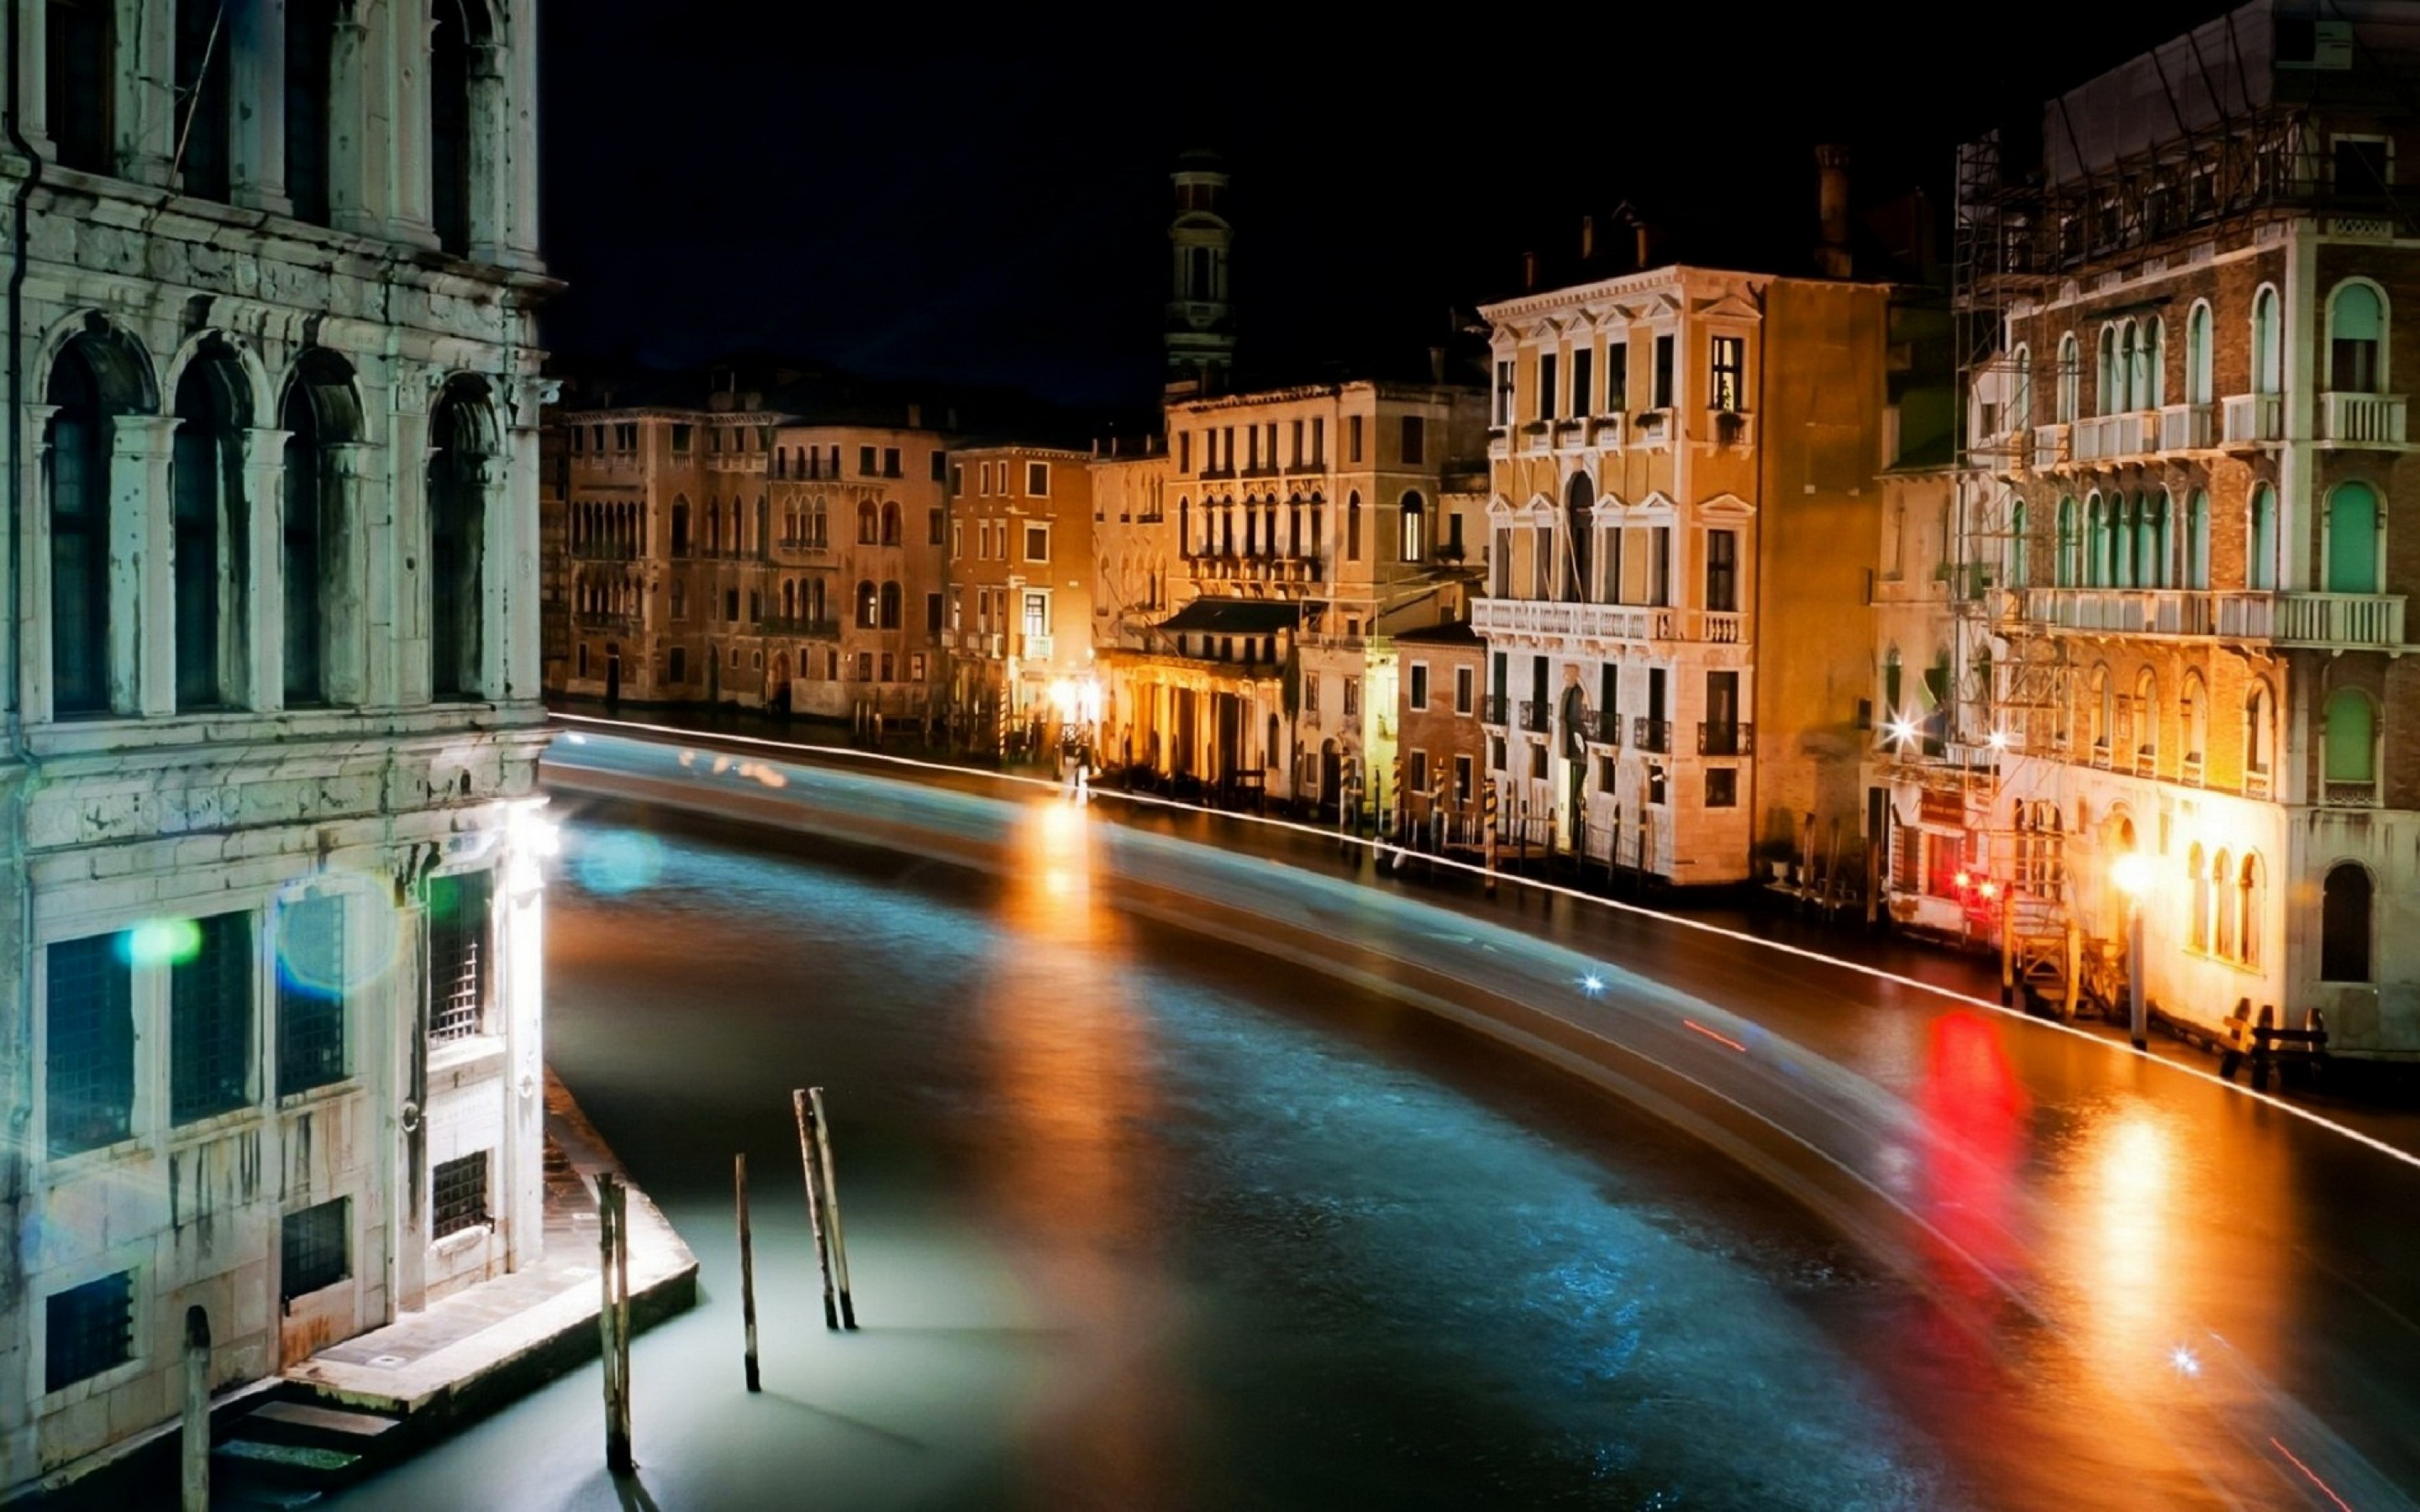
{"type": "Point", "coordinates": [80, 525]}
{"type": "Point", "coordinates": [780, 461]}
{"type": "Point", "coordinates": [321, 409]}
{"type": "Point", "coordinates": [455, 28]}
{"type": "Point", "coordinates": [2147, 717]}
{"type": "Point", "coordinates": [2192, 719]}
{"type": "Point", "coordinates": [2200, 387]}
{"type": "Point", "coordinates": [2070, 379]}
{"type": "Point", "coordinates": [2260, 548]}
{"type": "Point", "coordinates": [210, 528]}
{"type": "Point", "coordinates": [2352, 539]}
{"type": "Point", "coordinates": [2260, 735]}
{"type": "Point", "coordinates": [2096, 531]}
{"type": "Point", "coordinates": [2198, 539]}
{"type": "Point", "coordinates": [868, 605]}
{"type": "Point", "coordinates": [818, 523]}
{"type": "Point", "coordinates": [2067, 566]}
{"type": "Point", "coordinates": [1353, 527]}
{"type": "Point", "coordinates": [2148, 382]}
{"type": "Point", "coordinates": [868, 523]}
{"type": "Point", "coordinates": [680, 528]}
{"type": "Point", "coordinates": [1184, 526]}
{"type": "Point", "coordinates": [2351, 744]}
{"type": "Point", "coordinates": [2100, 709]}
{"type": "Point", "coordinates": [2197, 891]}
{"type": "Point", "coordinates": [81, 76]}
{"type": "Point", "coordinates": [2110, 377]}
{"type": "Point", "coordinates": [789, 599]}
{"type": "Point", "coordinates": [890, 523]}
{"type": "Point", "coordinates": [2151, 541]}
{"type": "Point", "coordinates": [2251, 908]}
{"type": "Point", "coordinates": [2222, 893]}
{"type": "Point", "coordinates": [2019, 571]}
{"type": "Point", "coordinates": [2345, 908]}
{"type": "Point", "coordinates": [2356, 339]}
{"type": "Point", "coordinates": [2021, 392]}
{"type": "Point", "coordinates": [459, 476]}
{"type": "Point", "coordinates": [891, 602]}
{"type": "Point", "coordinates": [2267, 343]}
{"type": "Point", "coordinates": [1414, 517]}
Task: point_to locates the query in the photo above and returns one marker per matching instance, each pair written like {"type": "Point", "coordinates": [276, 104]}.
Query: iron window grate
{"type": "Point", "coordinates": [457, 955]}
{"type": "Point", "coordinates": [88, 1073]}
{"type": "Point", "coordinates": [87, 1330]}
{"type": "Point", "coordinates": [458, 1195]}
{"type": "Point", "coordinates": [310, 994]}
{"type": "Point", "coordinates": [209, 1021]}
{"type": "Point", "coordinates": [314, 1248]}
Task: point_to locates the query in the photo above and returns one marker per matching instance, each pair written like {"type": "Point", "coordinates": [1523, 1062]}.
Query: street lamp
{"type": "Point", "coordinates": [2132, 874]}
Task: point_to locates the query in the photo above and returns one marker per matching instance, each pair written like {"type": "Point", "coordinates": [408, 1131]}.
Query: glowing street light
{"type": "Point", "coordinates": [1902, 729]}
{"type": "Point", "coordinates": [2131, 875]}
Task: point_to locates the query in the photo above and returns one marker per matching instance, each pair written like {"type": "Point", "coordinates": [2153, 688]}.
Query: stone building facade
{"type": "Point", "coordinates": [2196, 434]}
{"type": "Point", "coordinates": [1683, 510]}
{"type": "Point", "coordinates": [1307, 524]}
{"type": "Point", "coordinates": [735, 553]}
{"type": "Point", "coordinates": [1019, 601]}
{"type": "Point", "coordinates": [270, 678]}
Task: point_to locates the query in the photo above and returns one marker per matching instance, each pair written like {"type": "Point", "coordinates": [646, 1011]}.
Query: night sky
{"type": "Point", "coordinates": [898, 190]}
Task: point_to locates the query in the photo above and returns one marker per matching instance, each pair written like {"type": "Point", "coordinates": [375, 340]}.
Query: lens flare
{"type": "Point", "coordinates": [619, 861]}
{"type": "Point", "coordinates": [163, 942]}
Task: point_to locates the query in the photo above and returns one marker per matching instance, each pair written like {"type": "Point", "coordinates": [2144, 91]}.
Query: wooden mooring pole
{"type": "Point", "coordinates": [197, 1446]}
{"type": "Point", "coordinates": [832, 1231]}
{"type": "Point", "coordinates": [809, 1168]}
{"type": "Point", "coordinates": [747, 1266]}
{"type": "Point", "coordinates": [612, 1318]}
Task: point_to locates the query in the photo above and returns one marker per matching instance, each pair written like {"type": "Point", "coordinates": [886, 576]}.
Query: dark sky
{"type": "Point", "coordinates": [900, 191]}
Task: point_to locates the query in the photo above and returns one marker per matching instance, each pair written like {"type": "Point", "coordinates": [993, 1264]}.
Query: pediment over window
{"type": "Point", "coordinates": [1727, 503]}
{"type": "Point", "coordinates": [1655, 500]}
{"type": "Point", "coordinates": [1730, 307]}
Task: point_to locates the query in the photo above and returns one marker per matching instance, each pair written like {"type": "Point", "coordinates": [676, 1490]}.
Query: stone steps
{"type": "Point", "coordinates": [289, 1454]}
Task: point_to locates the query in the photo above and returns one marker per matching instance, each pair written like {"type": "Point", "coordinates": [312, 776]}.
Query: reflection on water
{"type": "Point", "coordinates": [1972, 1111]}
{"type": "Point", "coordinates": [1067, 1057]}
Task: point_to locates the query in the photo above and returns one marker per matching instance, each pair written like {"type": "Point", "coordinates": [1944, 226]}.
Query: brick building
{"type": "Point", "coordinates": [2192, 420]}
{"type": "Point", "coordinates": [271, 695]}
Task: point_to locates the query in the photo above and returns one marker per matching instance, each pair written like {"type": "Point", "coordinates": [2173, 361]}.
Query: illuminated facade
{"type": "Point", "coordinates": [271, 694]}
{"type": "Point", "coordinates": [733, 553]}
{"type": "Point", "coordinates": [1683, 510]}
{"type": "Point", "coordinates": [2193, 428]}
{"type": "Point", "coordinates": [1307, 530]}
{"type": "Point", "coordinates": [1019, 606]}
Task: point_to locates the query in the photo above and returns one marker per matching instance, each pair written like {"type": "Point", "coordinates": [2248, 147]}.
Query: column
{"type": "Point", "coordinates": [520, 139]}
{"type": "Point", "coordinates": [398, 561]}
{"type": "Point", "coordinates": [33, 545]}
{"type": "Point", "coordinates": [491, 164]}
{"type": "Point", "coordinates": [255, 44]}
{"type": "Point", "coordinates": [355, 77]}
{"type": "Point", "coordinates": [260, 633]}
{"type": "Point", "coordinates": [398, 123]}
{"type": "Point", "coordinates": [33, 77]}
{"type": "Point", "coordinates": [2302, 327]}
{"type": "Point", "coordinates": [513, 585]}
{"type": "Point", "coordinates": [142, 578]}
{"type": "Point", "coordinates": [145, 120]}
{"type": "Point", "coordinates": [349, 502]}
{"type": "Point", "coordinates": [499, 559]}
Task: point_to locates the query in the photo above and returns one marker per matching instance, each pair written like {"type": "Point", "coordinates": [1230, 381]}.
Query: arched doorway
{"type": "Point", "coordinates": [613, 676]}
{"type": "Point", "coordinates": [1331, 777]}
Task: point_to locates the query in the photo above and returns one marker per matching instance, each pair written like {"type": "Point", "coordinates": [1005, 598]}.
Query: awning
{"type": "Point", "coordinates": [1234, 617]}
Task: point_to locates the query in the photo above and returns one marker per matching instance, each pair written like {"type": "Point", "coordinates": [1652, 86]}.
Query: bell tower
{"type": "Point", "coordinates": [1200, 335]}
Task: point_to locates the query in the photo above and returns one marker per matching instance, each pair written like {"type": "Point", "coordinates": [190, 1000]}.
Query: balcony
{"type": "Point", "coordinates": [1605, 621]}
{"type": "Point", "coordinates": [1651, 734]}
{"type": "Point", "coordinates": [2251, 419]}
{"type": "Point", "coordinates": [2335, 794]}
{"type": "Point", "coordinates": [2185, 428]}
{"type": "Point", "coordinates": [2256, 784]}
{"type": "Point", "coordinates": [2362, 418]}
{"type": "Point", "coordinates": [1038, 647]}
{"type": "Point", "coordinates": [1605, 727]}
{"type": "Point", "coordinates": [1537, 715]}
{"type": "Point", "coordinates": [2050, 447]}
{"type": "Point", "coordinates": [1730, 427]}
{"type": "Point", "coordinates": [820, 629]}
{"type": "Point", "coordinates": [2329, 621]}
{"type": "Point", "coordinates": [1725, 739]}
{"type": "Point", "coordinates": [1491, 709]}
{"type": "Point", "coordinates": [589, 621]}
{"type": "Point", "coordinates": [2107, 438]}
{"type": "Point", "coordinates": [1652, 427]}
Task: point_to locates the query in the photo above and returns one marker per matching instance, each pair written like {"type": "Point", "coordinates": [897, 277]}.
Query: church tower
{"type": "Point", "coordinates": [1201, 322]}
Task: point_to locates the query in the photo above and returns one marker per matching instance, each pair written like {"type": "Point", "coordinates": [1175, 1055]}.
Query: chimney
{"type": "Point", "coordinates": [915, 417]}
{"type": "Point", "coordinates": [1646, 239]}
{"type": "Point", "coordinates": [1528, 269]}
{"type": "Point", "coordinates": [1588, 238]}
{"type": "Point", "coordinates": [1436, 364]}
{"type": "Point", "coordinates": [1832, 257]}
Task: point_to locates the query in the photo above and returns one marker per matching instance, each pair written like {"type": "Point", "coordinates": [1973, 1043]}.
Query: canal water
{"type": "Point", "coordinates": [1137, 1220]}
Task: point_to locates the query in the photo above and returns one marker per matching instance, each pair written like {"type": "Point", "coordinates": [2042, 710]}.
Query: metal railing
{"type": "Point", "coordinates": [1537, 714]}
{"type": "Point", "coordinates": [1491, 709]}
{"type": "Point", "coordinates": [1725, 739]}
{"type": "Point", "coordinates": [1651, 734]}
